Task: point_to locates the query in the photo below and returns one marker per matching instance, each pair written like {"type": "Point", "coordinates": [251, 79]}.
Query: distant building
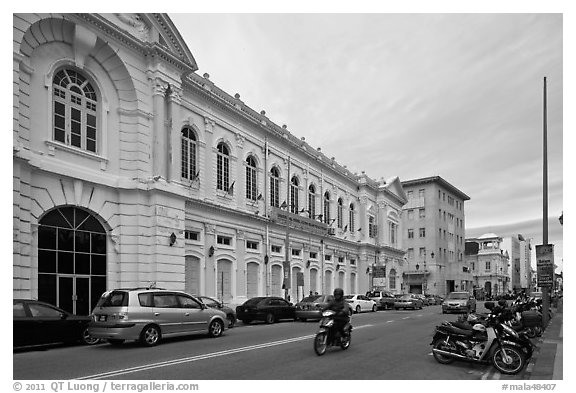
{"type": "Point", "coordinates": [519, 252]}
{"type": "Point", "coordinates": [489, 265]}
{"type": "Point", "coordinates": [433, 222]}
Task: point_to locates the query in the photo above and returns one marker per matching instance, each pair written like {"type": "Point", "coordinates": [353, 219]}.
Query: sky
{"type": "Point", "coordinates": [409, 95]}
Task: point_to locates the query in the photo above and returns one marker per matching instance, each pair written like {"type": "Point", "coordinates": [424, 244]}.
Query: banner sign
{"type": "Point", "coordinates": [294, 221]}
{"type": "Point", "coordinates": [545, 265]}
{"type": "Point", "coordinates": [300, 279]}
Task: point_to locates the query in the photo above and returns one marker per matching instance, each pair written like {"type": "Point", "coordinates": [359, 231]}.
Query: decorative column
{"type": "Point", "coordinates": [174, 149]}
{"type": "Point", "coordinates": [159, 148]}
{"type": "Point", "coordinates": [208, 182]}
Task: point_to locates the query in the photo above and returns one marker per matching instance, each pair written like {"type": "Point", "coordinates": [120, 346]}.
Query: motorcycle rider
{"type": "Point", "coordinates": [340, 307]}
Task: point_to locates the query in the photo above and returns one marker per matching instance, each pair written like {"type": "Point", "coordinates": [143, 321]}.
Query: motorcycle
{"type": "Point", "coordinates": [489, 341]}
{"type": "Point", "coordinates": [327, 334]}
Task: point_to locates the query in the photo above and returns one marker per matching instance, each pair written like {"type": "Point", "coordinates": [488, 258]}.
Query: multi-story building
{"type": "Point", "coordinates": [489, 265]}
{"type": "Point", "coordinates": [519, 252]}
{"type": "Point", "coordinates": [130, 169]}
{"type": "Point", "coordinates": [433, 234]}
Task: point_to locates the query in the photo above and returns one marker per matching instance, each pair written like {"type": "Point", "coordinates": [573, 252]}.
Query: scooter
{"type": "Point", "coordinates": [327, 334]}
{"type": "Point", "coordinates": [489, 342]}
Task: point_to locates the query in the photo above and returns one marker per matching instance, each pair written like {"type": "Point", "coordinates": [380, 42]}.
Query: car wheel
{"type": "Point", "coordinates": [303, 319]}
{"type": "Point", "coordinates": [270, 318]}
{"type": "Point", "coordinates": [396, 308]}
{"type": "Point", "coordinates": [150, 335]}
{"type": "Point", "coordinates": [358, 309]}
{"type": "Point", "coordinates": [216, 328]}
{"type": "Point", "coordinates": [88, 339]}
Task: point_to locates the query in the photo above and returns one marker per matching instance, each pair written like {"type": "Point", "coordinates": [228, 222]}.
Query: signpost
{"type": "Point", "coordinates": [379, 276]}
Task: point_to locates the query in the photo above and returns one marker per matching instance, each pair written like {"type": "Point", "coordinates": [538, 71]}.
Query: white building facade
{"type": "Point", "coordinates": [129, 169]}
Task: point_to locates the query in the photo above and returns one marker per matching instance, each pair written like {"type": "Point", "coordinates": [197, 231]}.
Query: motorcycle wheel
{"type": "Point", "coordinates": [345, 341]}
{"type": "Point", "coordinates": [515, 363]}
{"type": "Point", "coordinates": [441, 344]}
{"type": "Point", "coordinates": [320, 343]}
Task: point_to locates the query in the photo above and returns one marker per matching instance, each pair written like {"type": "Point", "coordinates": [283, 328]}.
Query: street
{"type": "Point", "coordinates": [386, 345]}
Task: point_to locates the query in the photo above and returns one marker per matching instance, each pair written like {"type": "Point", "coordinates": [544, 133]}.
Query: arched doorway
{"type": "Point", "coordinates": [328, 282]}
{"type": "Point", "coordinates": [488, 288]}
{"type": "Point", "coordinates": [341, 280]}
{"type": "Point", "coordinates": [224, 280]}
{"type": "Point", "coordinates": [252, 279]}
{"type": "Point", "coordinates": [313, 280]}
{"type": "Point", "coordinates": [71, 259]}
{"type": "Point", "coordinates": [352, 282]}
{"type": "Point", "coordinates": [276, 281]}
{"type": "Point", "coordinates": [192, 275]}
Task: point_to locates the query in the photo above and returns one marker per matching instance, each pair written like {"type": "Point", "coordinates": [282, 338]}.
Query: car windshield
{"type": "Point", "coordinates": [457, 296]}
{"type": "Point", "coordinates": [311, 298]}
{"type": "Point", "coordinates": [373, 294]}
{"type": "Point", "coordinates": [113, 299]}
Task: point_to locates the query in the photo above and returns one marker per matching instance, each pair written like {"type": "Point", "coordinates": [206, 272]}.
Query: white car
{"type": "Point", "coordinates": [359, 303]}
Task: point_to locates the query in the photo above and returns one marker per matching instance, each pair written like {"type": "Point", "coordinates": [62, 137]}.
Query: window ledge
{"type": "Point", "coordinates": [53, 145]}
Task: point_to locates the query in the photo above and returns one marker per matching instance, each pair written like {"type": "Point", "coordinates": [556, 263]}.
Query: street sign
{"type": "Point", "coordinates": [545, 265]}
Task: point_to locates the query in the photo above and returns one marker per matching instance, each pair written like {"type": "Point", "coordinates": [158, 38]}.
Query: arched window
{"type": "Point", "coordinates": [327, 207]}
{"type": "Point", "coordinates": [251, 180]}
{"type": "Point", "coordinates": [294, 184]}
{"type": "Point", "coordinates": [275, 187]}
{"type": "Point", "coordinates": [223, 168]}
{"type": "Point", "coordinates": [340, 213]}
{"type": "Point", "coordinates": [352, 217]}
{"type": "Point", "coordinates": [392, 279]}
{"type": "Point", "coordinates": [188, 141]}
{"type": "Point", "coordinates": [75, 110]}
{"type": "Point", "coordinates": [311, 201]}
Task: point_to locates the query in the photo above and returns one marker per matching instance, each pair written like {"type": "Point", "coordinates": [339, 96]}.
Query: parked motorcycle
{"type": "Point", "coordinates": [487, 341]}
{"type": "Point", "coordinates": [328, 335]}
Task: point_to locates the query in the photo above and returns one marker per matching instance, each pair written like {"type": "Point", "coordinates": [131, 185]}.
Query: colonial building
{"type": "Point", "coordinates": [433, 234]}
{"type": "Point", "coordinates": [130, 169]}
{"type": "Point", "coordinates": [489, 264]}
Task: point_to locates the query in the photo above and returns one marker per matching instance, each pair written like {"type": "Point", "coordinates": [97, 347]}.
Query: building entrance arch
{"type": "Point", "coordinates": [71, 259]}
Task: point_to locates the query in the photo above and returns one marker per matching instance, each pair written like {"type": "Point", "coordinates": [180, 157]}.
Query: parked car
{"type": "Point", "coordinates": [38, 323]}
{"type": "Point", "coordinates": [434, 300]}
{"type": "Point", "coordinates": [359, 303]}
{"type": "Point", "coordinates": [269, 309]}
{"type": "Point", "coordinates": [384, 299]}
{"type": "Point", "coordinates": [311, 307]}
{"type": "Point", "coordinates": [216, 304]}
{"type": "Point", "coordinates": [423, 298]}
{"type": "Point", "coordinates": [459, 302]}
{"type": "Point", "coordinates": [150, 315]}
{"type": "Point", "coordinates": [408, 300]}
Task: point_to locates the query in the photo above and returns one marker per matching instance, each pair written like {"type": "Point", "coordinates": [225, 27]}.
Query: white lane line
{"type": "Point", "coordinates": [390, 321]}
{"type": "Point", "coordinates": [406, 317]}
{"type": "Point", "coordinates": [151, 366]}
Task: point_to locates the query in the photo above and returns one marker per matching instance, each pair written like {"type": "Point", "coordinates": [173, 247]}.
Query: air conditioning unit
{"type": "Point", "coordinates": [331, 231]}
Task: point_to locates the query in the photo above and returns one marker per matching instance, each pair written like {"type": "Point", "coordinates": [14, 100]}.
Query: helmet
{"type": "Point", "coordinates": [472, 318]}
{"type": "Point", "coordinates": [338, 293]}
{"type": "Point", "coordinates": [479, 328]}
{"type": "Point", "coordinates": [502, 303]}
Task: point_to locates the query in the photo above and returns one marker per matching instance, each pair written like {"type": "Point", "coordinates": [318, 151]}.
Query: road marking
{"type": "Point", "coordinates": [389, 321]}
{"type": "Point", "coordinates": [151, 366]}
{"type": "Point", "coordinates": [406, 317]}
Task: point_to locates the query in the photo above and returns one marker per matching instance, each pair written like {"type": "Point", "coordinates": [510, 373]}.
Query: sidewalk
{"type": "Point", "coordinates": [547, 361]}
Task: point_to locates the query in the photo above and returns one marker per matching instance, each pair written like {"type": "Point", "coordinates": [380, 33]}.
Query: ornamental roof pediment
{"type": "Point", "coordinates": [154, 29]}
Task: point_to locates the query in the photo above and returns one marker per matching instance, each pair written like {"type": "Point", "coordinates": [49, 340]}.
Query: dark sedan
{"type": "Point", "coordinates": [311, 307]}
{"type": "Point", "coordinates": [37, 323]}
{"type": "Point", "coordinates": [269, 309]}
{"type": "Point", "coordinates": [213, 303]}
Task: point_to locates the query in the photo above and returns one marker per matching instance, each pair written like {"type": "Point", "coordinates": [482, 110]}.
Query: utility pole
{"type": "Point", "coordinates": [545, 289]}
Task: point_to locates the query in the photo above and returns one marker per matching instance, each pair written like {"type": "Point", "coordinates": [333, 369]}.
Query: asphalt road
{"type": "Point", "coordinates": [386, 345]}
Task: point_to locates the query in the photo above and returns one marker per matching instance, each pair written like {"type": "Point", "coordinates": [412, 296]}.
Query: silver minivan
{"type": "Point", "coordinates": [149, 315]}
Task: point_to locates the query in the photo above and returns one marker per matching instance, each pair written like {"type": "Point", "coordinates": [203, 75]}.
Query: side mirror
{"type": "Point", "coordinates": [63, 316]}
